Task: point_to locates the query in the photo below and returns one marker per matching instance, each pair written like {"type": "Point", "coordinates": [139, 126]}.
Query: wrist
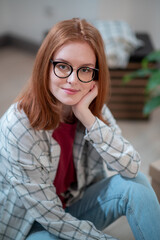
{"type": "Point", "coordinates": [89, 126]}
{"type": "Point", "coordinates": [87, 119]}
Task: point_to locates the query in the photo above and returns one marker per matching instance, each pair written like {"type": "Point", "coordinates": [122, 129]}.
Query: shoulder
{"type": "Point", "coordinates": [15, 127]}
{"type": "Point", "coordinates": [13, 122]}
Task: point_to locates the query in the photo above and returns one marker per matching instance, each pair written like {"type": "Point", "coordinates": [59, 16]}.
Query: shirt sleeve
{"type": "Point", "coordinates": [33, 183]}
{"type": "Point", "coordinates": [116, 151]}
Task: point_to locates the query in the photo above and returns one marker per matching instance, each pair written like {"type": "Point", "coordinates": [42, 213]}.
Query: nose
{"type": "Point", "coordinates": [73, 77]}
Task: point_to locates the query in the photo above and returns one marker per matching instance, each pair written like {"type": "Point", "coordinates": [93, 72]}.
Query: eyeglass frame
{"type": "Point", "coordinates": [56, 62]}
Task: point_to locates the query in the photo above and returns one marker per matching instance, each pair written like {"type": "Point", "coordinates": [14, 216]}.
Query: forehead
{"type": "Point", "coordinates": [76, 51]}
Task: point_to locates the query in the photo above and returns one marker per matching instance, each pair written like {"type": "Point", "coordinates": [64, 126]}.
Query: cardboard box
{"type": "Point", "coordinates": [154, 172]}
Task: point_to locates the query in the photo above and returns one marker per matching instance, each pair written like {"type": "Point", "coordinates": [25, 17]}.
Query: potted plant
{"type": "Point", "coordinates": [150, 69]}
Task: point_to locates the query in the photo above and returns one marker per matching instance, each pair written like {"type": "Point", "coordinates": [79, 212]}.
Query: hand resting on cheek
{"type": "Point", "coordinates": [81, 109]}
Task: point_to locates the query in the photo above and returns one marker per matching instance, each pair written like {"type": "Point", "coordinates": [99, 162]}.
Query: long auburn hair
{"type": "Point", "coordinates": [41, 107]}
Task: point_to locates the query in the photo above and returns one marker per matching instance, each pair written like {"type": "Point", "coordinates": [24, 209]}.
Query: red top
{"type": "Point", "coordinates": [66, 174]}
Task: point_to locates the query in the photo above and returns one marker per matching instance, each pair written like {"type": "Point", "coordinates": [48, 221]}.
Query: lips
{"type": "Point", "coordinates": [70, 90]}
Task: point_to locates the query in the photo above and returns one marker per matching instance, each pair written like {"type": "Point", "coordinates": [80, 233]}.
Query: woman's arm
{"type": "Point", "coordinates": [82, 111]}
{"type": "Point", "coordinates": [116, 151]}
{"type": "Point", "coordinates": [29, 171]}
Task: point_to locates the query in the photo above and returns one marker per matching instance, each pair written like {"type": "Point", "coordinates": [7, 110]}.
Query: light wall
{"type": "Point", "coordinates": [142, 15]}
{"type": "Point", "coordinates": [31, 18]}
{"type": "Point", "coordinates": [3, 17]}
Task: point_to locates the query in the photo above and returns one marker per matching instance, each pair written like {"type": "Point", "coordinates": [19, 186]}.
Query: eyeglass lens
{"type": "Point", "coordinates": [62, 69]}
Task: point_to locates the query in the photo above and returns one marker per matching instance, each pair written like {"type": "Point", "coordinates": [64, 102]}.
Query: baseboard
{"type": "Point", "coordinates": [4, 40]}
{"type": "Point", "coordinates": [18, 42]}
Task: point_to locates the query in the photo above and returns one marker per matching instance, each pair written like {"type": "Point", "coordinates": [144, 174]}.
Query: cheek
{"type": "Point", "coordinates": [86, 89]}
{"type": "Point", "coordinates": [53, 82]}
{"type": "Point", "coordinates": [90, 86]}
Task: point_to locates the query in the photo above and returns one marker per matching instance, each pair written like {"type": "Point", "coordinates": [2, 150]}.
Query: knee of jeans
{"type": "Point", "coordinates": [138, 187]}
{"type": "Point", "coordinates": [142, 179]}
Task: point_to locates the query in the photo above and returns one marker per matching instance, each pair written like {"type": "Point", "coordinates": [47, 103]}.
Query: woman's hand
{"type": "Point", "coordinates": [81, 109]}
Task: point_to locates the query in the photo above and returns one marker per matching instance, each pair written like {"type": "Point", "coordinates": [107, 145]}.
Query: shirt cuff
{"type": "Point", "coordinates": [97, 132]}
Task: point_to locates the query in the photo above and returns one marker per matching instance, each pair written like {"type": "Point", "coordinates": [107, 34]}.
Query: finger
{"type": "Point", "coordinates": [94, 90]}
{"type": "Point", "coordinates": [90, 96]}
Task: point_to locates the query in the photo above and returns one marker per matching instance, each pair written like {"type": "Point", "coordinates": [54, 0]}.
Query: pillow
{"type": "Point", "coordinates": [120, 41]}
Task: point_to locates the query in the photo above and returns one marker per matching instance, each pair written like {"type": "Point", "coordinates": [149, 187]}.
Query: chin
{"type": "Point", "coordinates": [69, 103]}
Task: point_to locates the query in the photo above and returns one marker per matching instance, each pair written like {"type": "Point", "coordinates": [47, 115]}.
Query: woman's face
{"type": "Point", "coordinates": [70, 90]}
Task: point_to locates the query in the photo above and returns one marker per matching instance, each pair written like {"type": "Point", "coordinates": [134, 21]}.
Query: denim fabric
{"type": "Point", "coordinates": [107, 200]}
{"type": "Point", "coordinates": [39, 233]}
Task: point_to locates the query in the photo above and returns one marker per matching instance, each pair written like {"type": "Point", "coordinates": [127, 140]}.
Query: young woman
{"type": "Point", "coordinates": [56, 142]}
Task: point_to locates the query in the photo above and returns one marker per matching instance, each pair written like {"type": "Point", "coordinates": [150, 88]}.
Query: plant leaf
{"type": "Point", "coordinates": [153, 81]}
{"type": "Point", "coordinates": [153, 56]}
{"type": "Point", "coordinates": [144, 63]}
{"type": "Point", "coordinates": [151, 105]}
{"type": "Point", "coordinates": [139, 73]}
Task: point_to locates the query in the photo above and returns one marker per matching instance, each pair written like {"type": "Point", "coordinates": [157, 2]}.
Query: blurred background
{"type": "Point", "coordinates": [23, 25]}
{"type": "Point", "coordinates": [30, 19]}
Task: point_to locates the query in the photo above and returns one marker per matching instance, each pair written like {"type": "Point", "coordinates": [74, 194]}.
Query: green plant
{"type": "Point", "coordinates": [152, 71]}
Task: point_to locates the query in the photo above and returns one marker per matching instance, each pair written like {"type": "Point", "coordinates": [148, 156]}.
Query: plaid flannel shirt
{"type": "Point", "coordinates": [29, 161]}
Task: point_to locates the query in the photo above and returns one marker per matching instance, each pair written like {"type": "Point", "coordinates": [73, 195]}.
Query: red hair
{"type": "Point", "coordinates": [41, 107]}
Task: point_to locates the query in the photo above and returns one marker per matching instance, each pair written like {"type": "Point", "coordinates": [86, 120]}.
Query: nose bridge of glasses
{"type": "Point", "coordinates": [73, 74]}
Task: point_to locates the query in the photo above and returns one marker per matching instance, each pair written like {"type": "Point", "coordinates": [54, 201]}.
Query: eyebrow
{"type": "Point", "coordinates": [65, 61]}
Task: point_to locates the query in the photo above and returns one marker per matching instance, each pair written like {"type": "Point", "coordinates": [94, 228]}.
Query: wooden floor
{"type": "Point", "coordinates": [15, 69]}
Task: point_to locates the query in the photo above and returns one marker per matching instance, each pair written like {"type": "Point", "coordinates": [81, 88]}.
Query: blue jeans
{"type": "Point", "coordinates": [107, 200]}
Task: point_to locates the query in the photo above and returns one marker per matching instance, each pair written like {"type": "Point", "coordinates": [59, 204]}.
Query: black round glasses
{"type": "Point", "coordinates": [84, 74]}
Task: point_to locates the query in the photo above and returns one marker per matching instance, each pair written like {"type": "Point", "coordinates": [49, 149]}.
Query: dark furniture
{"type": "Point", "coordinates": [127, 101]}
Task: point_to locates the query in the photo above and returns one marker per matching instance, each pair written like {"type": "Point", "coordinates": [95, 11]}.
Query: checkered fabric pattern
{"type": "Point", "coordinates": [29, 161]}
{"type": "Point", "coordinates": [120, 41]}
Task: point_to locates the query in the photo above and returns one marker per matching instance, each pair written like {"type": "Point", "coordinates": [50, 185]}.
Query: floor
{"type": "Point", "coordinates": [16, 67]}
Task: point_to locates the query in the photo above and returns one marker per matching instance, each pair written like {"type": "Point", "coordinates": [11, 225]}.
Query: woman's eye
{"type": "Point", "coordinates": [86, 70]}
{"type": "Point", "coordinates": [63, 67]}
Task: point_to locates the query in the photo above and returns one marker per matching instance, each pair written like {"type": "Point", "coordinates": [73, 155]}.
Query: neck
{"type": "Point", "coordinates": [68, 115]}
